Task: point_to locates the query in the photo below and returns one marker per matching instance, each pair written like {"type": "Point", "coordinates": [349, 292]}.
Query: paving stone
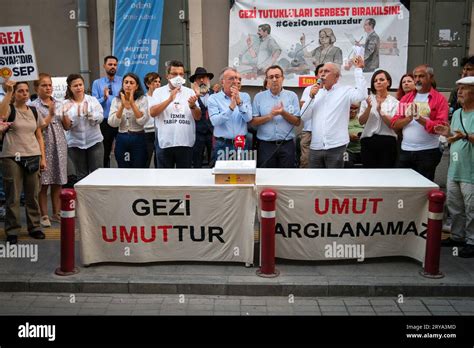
{"type": "Point", "coordinates": [254, 302]}
{"type": "Point", "coordinates": [333, 308]}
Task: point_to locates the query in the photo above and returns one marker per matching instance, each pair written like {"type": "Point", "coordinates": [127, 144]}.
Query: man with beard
{"type": "Point", "coordinates": [201, 81]}
{"type": "Point", "coordinates": [105, 89]}
{"type": "Point", "coordinates": [418, 114]}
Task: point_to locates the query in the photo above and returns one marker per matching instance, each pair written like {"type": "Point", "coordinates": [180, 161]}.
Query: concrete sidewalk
{"type": "Point", "coordinates": [389, 276]}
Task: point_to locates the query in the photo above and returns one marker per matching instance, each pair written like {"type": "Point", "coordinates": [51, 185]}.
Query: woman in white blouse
{"type": "Point", "coordinates": [82, 115]}
{"type": "Point", "coordinates": [130, 114]}
{"type": "Point", "coordinates": [378, 140]}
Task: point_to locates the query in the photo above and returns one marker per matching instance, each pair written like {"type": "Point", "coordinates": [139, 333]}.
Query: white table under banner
{"type": "Point", "coordinates": [148, 215]}
{"type": "Point", "coordinates": [327, 214]}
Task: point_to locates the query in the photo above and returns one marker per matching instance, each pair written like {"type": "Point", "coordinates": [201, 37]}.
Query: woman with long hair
{"type": "Point", "coordinates": [130, 114]}
{"type": "Point", "coordinates": [378, 140]}
{"type": "Point", "coordinates": [55, 174]}
{"type": "Point", "coordinates": [82, 115]}
{"type": "Point", "coordinates": [22, 158]}
{"type": "Point", "coordinates": [406, 85]}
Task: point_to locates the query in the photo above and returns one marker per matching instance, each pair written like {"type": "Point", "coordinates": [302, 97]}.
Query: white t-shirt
{"type": "Point", "coordinates": [415, 136]}
{"type": "Point", "coordinates": [375, 123]}
{"type": "Point", "coordinates": [175, 125]}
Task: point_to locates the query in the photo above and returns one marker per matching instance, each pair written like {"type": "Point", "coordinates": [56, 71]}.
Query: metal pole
{"type": "Point", "coordinates": [433, 237]}
{"type": "Point", "coordinates": [82, 25]}
{"type": "Point", "coordinates": [267, 227]}
{"type": "Point", "coordinates": [68, 212]}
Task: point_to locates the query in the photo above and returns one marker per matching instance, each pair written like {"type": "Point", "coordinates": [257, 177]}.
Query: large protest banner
{"type": "Point", "coordinates": [17, 54]}
{"type": "Point", "coordinates": [137, 36]}
{"type": "Point", "coordinates": [138, 215]}
{"type": "Point", "coordinates": [298, 35]}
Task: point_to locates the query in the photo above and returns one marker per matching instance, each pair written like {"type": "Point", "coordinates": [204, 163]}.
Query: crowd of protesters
{"type": "Point", "coordinates": [49, 143]}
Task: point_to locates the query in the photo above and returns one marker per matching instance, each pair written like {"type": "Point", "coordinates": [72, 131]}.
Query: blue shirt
{"type": "Point", "coordinates": [278, 128]}
{"type": "Point", "coordinates": [227, 123]}
{"type": "Point", "coordinates": [98, 87]}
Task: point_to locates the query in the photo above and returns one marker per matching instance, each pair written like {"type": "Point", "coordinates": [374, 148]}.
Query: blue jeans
{"type": "Point", "coordinates": [130, 150]}
{"type": "Point", "coordinates": [160, 158]}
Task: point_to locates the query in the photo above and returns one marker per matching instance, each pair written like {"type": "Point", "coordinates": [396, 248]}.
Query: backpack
{"type": "Point", "coordinates": [11, 118]}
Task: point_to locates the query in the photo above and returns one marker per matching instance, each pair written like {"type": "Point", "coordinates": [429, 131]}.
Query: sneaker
{"type": "Point", "coordinates": [37, 234]}
{"type": "Point", "coordinates": [12, 239]}
{"type": "Point", "coordinates": [467, 251]}
{"type": "Point", "coordinates": [452, 243]}
{"type": "Point", "coordinates": [56, 218]}
{"type": "Point", "coordinates": [45, 221]}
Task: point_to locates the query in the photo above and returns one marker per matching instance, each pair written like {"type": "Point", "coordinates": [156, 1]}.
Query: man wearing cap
{"type": "Point", "coordinates": [229, 111]}
{"type": "Point", "coordinates": [418, 113]}
{"type": "Point", "coordinates": [201, 81]}
{"type": "Point", "coordinates": [460, 183]}
{"type": "Point", "coordinates": [276, 112]}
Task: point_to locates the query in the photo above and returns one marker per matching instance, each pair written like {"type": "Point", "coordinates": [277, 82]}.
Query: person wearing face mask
{"type": "Point", "coordinates": [176, 109]}
{"type": "Point", "coordinates": [417, 115]}
{"type": "Point", "coordinates": [201, 81]}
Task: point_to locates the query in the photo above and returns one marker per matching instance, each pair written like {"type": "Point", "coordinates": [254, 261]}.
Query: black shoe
{"type": "Point", "coordinates": [37, 234]}
{"type": "Point", "coordinates": [452, 243]}
{"type": "Point", "coordinates": [12, 239]}
{"type": "Point", "coordinates": [467, 251]}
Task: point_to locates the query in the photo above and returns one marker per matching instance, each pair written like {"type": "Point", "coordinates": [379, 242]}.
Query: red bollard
{"type": "Point", "coordinates": [433, 236]}
{"type": "Point", "coordinates": [267, 238]}
{"type": "Point", "coordinates": [68, 212]}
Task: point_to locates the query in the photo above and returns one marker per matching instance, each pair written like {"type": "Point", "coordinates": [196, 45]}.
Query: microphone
{"type": "Point", "coordinates": [320, 82]}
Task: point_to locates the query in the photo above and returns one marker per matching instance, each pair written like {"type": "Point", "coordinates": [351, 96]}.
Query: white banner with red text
{"type": "Point", "coordinates": [299, 35]}
{"type": "Point", "coordinates": [17, 54]}
{"type": "Point", "coordinates": [330, 224]}
{"type": "Point", "coordinates": [176, 224]}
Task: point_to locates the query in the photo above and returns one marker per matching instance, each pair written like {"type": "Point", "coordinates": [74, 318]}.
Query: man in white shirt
{"type": "Point", "coordinates": [176, 108]}
{"type": "Point", "coordinates": [328, 111]}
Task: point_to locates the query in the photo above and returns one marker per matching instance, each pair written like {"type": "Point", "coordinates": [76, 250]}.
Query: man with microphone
{"type": "Point", "coordinates": [328, 110]}
{"type": "Point", "coordinates": [305, 137]}
{"type": "Point", "coordinates": [276, 112]}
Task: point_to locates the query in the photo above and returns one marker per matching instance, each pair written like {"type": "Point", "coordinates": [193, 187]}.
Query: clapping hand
{"type": "Point", "coordinates": [277, 109]}
{"type": "Point", "coordinates": [192, 101]}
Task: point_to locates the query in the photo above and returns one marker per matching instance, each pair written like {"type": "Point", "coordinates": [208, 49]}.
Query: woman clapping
{"type": "Point", "coordinates": [130, 114]}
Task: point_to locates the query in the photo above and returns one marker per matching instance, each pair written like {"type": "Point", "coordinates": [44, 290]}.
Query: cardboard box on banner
{"type": "Point", "coordinates": [235, 172]}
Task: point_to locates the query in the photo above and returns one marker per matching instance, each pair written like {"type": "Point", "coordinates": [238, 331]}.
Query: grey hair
{"type": "Point", "coordinates": [428, 68]}
{"type": "Point", "coordinates": [221, 76]}
{"type": "Point", "coordinates": [337, 68]}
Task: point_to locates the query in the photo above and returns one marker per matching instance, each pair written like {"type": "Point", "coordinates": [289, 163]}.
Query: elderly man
{"type": "Point", "coordinates": [275, 114]}
{"type": "Point", "coordinates": [467, 64]}
{"type": "Point", "coordinates": [418, 113]}
{"type": "Point", "coordinates": [268, 49]}
{"type": "Point", "coordinates": [201, 81]}
{"type": "Point", "coordinates": [176, 109]}
{"type": "Point", "coordinates": [229, 111]}
{"type": "Point", "coordinates": [329, 111]}
{"type": "Point", "coordinates": [461, 169]}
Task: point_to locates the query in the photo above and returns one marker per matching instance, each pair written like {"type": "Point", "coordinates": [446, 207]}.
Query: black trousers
{"type": "Point", "coordinates": [424, 161]}
{"type": "Point", "coordinates": [271, 155]}
{"type": "Point", "coordinates": [109, 134]}
{"type": "Point", "coordinates": [379, 151]}
{"type": "Point", "coordinates": [203, 141]}
{"type": "Point", "coordinates": [179, 156]}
